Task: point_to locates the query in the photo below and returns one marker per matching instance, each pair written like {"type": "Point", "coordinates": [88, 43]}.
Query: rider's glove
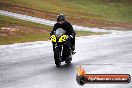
{"type": "Point", "coordinates": [70, 37]}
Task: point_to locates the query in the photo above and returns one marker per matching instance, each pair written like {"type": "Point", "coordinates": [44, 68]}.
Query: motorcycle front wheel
{"type": "Point", "coordinates": [57, 57]}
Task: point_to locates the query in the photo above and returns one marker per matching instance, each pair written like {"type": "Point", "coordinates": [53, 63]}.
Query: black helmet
{"type": "Point", "coordinates": [61, 17]}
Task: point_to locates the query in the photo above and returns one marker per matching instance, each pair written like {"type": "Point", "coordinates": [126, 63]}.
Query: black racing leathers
{"type": "Point", "coordinates": [69, 31]}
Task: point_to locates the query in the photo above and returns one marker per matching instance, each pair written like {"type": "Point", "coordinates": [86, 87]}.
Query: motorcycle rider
{"type": "Point", "coordinates": [65, 25]}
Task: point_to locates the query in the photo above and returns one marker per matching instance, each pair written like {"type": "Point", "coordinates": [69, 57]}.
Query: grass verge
{"type": "Point", "coordinates": [18, 31]}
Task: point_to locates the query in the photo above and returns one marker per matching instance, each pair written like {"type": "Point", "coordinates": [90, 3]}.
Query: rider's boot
{"type": "Point", "coordinates": [73, 48]}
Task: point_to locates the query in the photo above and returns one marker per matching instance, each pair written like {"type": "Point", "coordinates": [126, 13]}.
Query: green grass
{"type": "Point", "coordinates": [87, 33]}
{"type": "Point", "coordinates": [107, 10]}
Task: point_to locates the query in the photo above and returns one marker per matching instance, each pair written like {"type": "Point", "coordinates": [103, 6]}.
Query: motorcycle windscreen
{"type": "Point", "coordinates": [59, 32]}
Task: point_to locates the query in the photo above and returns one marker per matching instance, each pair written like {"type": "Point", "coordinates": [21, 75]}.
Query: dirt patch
{"type": "Point", "coordinates": [9, 29]}
{"type": "Point", "coordinates": [73, 20]}
{"type": "Point", "coordinates": [20, 31]}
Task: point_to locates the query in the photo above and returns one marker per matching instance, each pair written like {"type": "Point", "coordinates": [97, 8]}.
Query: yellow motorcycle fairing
{"type": "Point", "coordinates": [63, 38]}
{"type": "Point", "coordinates": [53, 38]}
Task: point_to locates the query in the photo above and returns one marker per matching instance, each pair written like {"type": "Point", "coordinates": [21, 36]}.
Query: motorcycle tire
{"type": "Point", "coordinates": [57, 57]}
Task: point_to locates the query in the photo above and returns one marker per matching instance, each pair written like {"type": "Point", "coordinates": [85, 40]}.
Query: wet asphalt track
{"type": "Point", "coordinates": [31, 65]}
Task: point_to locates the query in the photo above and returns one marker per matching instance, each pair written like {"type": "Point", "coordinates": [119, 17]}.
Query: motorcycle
{"type": "Point", "coordinates": [62, 47]}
